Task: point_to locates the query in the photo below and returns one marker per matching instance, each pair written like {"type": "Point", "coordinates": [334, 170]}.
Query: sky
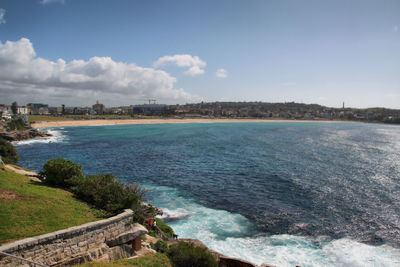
{"type": "Point", "coordinates": [125, 52]}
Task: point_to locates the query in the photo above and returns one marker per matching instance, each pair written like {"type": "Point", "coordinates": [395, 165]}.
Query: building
{"type": "Point", "coordinates": [38, 109]}
{"type": "Point", "coordinates": [23, 110]}
{"type": "Point", "coordinates": [98, 108]}
{"type": "Point", "coordinates": [149, 109]}
{"type": "Point", "coordinates": [5, 111]}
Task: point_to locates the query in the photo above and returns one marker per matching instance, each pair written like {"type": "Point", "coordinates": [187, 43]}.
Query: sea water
{"type": "Point", "coordinates": [282, 193]}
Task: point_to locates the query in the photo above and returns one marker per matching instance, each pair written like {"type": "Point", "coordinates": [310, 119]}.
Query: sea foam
{"type": "Point", "coordinates": [57, 137]}
{"type": "Point", "coordinates": [233, 235]}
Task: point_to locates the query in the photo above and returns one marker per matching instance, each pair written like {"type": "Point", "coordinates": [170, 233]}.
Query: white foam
{"type": "Point", "coordinates": [56, 137]}
{"type": "Point", "coordinates": [174, 215]}
{"type": "Point", "coordinates": [289, 250]}
{"type": "Point", "coordinates": [226, 232]}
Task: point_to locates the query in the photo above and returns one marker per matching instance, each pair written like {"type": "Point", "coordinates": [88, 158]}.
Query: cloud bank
{"type": "Point", "coordinates": [194, 64]}
{"type": "Point", "coordinates": [2, 14]}
{"type": "Point", "coordinates": [221, 73]}
{"type": "Point", "coordinates": [23, 75]}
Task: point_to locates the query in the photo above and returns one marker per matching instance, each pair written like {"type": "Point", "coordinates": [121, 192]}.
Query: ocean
{"type": "Point", "coordinates": [282, 193]}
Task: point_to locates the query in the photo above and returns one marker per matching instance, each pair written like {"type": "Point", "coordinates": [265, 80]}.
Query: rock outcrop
{"type": "Point", "coordinates": [223, 261]}
{"type": "Point", "coordinates": [23, 135]}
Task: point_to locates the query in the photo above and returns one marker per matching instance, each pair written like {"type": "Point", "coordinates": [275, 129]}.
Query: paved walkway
{"type": "Point", "coordinates": [32, 175]}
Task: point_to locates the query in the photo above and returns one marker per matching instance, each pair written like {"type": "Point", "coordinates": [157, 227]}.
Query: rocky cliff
{"type": "Point", "coordinates": [23, 135]}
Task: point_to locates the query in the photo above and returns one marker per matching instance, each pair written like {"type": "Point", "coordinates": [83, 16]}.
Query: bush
{"type": "Point", "coordinates": [63, 173]}
{"type": "Point", "coordinates": [166, 229]}
{"type": "Point", "coordinates": [104, 191]}
{"type": "Point", "coordinates": [160, 246]}
{"type": "Point", "coordinates": [16, 124]}
{"type": "Point", "coordinates": [141, 212]}
{"type": "Point", "coordinates": [8, 152]}
{"type": "Point", "coordinates": [186, 254]}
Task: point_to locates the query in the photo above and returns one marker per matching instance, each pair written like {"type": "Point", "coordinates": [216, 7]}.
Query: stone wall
{"type": "Point", "coordinates": [101, 241]}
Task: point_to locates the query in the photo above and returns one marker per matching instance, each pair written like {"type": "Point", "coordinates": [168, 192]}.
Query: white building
{"type": "Point", "coordinates": [23, 110]}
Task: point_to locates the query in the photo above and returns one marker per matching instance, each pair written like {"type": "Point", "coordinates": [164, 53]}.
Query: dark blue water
{"type": "Point", "coordinates": [308, 185]}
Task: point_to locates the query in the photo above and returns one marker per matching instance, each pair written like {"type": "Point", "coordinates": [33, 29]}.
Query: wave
{"type": "Point", "coordinates": [57, 137]}
{"type": "Point", "coordinates": [172, 216]}
{"type": "Point", "coordinates": [290, 250]}
{"type": "Point", "coordinates": [234, 235]}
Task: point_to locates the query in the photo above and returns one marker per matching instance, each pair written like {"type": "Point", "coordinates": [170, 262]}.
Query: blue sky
{"type": "Point", "coordinates": [122, 52]}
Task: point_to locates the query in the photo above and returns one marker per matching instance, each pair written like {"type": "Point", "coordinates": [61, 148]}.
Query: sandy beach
{"type": "Point", "coordinates": [45, 124]}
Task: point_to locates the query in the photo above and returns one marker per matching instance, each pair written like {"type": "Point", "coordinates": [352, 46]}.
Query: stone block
{"type": "Point", "coordinates": [82, 244]}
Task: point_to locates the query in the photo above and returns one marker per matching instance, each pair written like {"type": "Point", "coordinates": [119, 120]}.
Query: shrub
{"type": "Point", "coordinates": [104, 191]}
{"type": "Point", "coordinates": [166, 229]}
{"type": "Point", "coordinates": [141, 212]}
{"type": "Point", "coordinates": [186, 254]}
{"type": "Point", "coordinates": [16, 124]}
{"type": "Point", "coordinates": [8, 152]}
{"type": "Point", "coordinates": [160, 246]}
{"type": "Point", "coordinates": [63, 173]}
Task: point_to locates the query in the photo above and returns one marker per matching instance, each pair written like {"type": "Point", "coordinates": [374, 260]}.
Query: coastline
{"type": "Point", "coordinates": [46, 124]}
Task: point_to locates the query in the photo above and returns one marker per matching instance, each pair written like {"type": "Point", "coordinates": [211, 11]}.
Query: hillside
{"type": "Point", "coordinates": [29, 208]}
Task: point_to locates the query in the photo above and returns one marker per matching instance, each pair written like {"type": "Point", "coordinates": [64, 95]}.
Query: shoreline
{"type": "Point", "coordinates": [46, 124]}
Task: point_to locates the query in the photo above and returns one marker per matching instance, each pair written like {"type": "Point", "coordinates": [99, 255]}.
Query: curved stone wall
{"type": "Point", "coordinates": [104, 240]}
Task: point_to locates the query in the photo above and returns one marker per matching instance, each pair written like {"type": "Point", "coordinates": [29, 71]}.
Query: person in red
{"type": "Point", "coordinates": [149, 221]}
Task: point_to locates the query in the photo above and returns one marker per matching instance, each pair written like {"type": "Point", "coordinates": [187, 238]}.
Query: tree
{"type": "Point", "coordinates": [62, 172]}
{"type": "Point", "coordinates": [14, 108]}
{"type": "Point", "coordinates": [104, 191]}
{"type": "Point", "coordinates": [8, 152]}
{"type": "Point", "coordinates": [63, 109]}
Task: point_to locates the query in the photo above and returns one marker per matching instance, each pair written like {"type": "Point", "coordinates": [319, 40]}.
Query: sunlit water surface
{"type": "Point", "coordinates": [283, 193]}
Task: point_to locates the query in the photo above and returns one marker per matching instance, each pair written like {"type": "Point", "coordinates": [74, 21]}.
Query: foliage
{"type": "Point", "coordinates": [167, 230]}
{"type": "Point", "coordinates": [16, 124]}
{"type": "Point", "coordinates": [8, 152]}
{"type": "Point", "coordinates": [29, 209]}
{"type": "Point", "coordinates": [152, 260]}
{"type": "Point", "coordinates": [186, 254]}
{"type": "Point", "coordinates": [160, 246]}
{"type": "Point", "coordinates": [141, 212]}
{"type": "Point", "coordinates": [63, 173]}
{"type": "Point", "coordinates": [14, 108]}
{"type": "Point", "coordinates": [104, 191]}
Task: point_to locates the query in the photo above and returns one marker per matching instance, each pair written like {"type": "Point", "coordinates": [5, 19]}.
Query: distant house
{"type": "Point", "coordinates": [98, 108]}
{"type": "Point", "coordinates": [38, 109]}
{"type": "Point", "coordinates": [55, 110]}
{"type": "Point", "coordinates": [5, 111]}
{"type": "Point", "coordinates": [23, 110]}
{"type": "Point", "coordinates": [149, 109]}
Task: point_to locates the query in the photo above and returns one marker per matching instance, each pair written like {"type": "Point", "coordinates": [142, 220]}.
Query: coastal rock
{"type": "Point", "coordinates": [23, 135]}
{"type": "Point", "coordinates": [223, 261]}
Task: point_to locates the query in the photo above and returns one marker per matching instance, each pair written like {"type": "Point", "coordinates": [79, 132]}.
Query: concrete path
{"type": "Point", "coordinates": [32, 175]}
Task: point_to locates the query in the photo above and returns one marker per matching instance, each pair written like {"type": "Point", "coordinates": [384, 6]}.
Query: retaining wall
{"type": "Point", "coordinates": [101, 241]}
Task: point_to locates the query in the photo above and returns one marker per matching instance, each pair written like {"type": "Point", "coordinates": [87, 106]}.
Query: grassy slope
{"type": "Point", "coordinates": [33, 118]}
{"type": "Point", "coordinates": [152, 260]}
{"type": "Point", "coordinates": [29, 209]}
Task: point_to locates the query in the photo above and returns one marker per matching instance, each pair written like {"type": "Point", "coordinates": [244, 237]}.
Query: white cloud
{"type": "Point", "coordinates": [2, 14]}
{"type": "Point", "coordinates": [24, 74]}
{"type": "Point", "coordinates": [44, 2]}
{"type": "Point", "coordinates": [194, 63]}
{"type": "Point", "coordinates": [221, 73]}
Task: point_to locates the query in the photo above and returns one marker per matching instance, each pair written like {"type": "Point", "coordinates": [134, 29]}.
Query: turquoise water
{"type": "Point", "coordinates": [310, 194]}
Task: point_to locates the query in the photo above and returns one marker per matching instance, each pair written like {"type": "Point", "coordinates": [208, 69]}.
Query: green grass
{"type": "Point", "coordinates": [37, 118]}
{"type": "Point", "coordinates": [152, 260]}
{"type": "Point", "coordinates": [28, 208]}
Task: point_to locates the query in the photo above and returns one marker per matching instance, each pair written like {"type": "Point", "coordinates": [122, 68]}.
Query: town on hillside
{"type": "Point", "coordinates": [234, 110]}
